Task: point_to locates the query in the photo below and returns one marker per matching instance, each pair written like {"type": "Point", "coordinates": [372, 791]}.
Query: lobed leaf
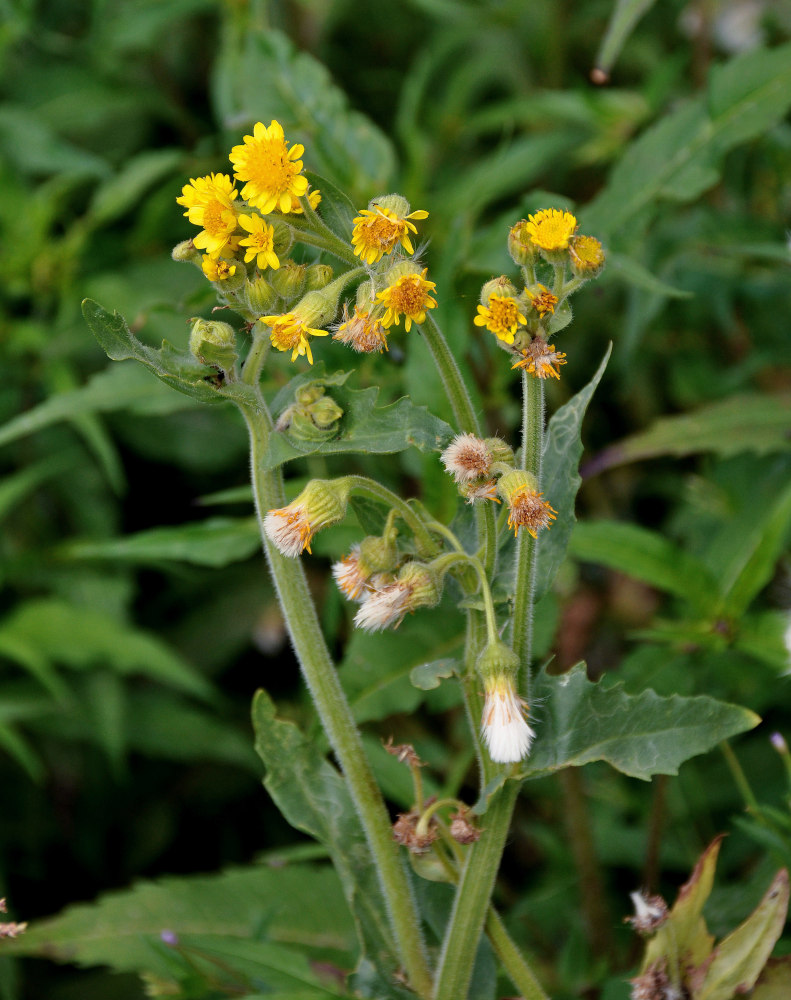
{"type": "Point", "coordinates": [641, 735]}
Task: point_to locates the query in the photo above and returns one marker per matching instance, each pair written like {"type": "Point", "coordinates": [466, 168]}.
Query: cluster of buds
{"type": "Point", "coordinates": [248, 223]}
{"type": "Point", "coordinates": [523, 320]}
{"type": "Point", "coordinates": [313, 416]}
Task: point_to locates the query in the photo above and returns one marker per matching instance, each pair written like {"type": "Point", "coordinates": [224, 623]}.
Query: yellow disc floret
{"type": "Point", "coordinates": [551, 229]}
{"type": "Point", "coordinates": [271, 170]}
{"type": "Point", "coordinates": [377, 231]}
{"type": "Point", "coordinates": [501, 316]}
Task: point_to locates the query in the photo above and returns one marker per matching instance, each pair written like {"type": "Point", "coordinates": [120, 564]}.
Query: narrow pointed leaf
{"type": "Point", "coordinates": [737, 960]}
{"type": "Point", "coordinates": [560, 478]}
{"type": "Point", "coordinates": [623, 18]}
{"type": "Point", "coordinates": [640, 735]}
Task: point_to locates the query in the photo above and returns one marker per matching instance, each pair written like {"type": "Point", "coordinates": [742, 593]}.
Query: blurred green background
{"type": "Point", "coordinates": [136, 619]}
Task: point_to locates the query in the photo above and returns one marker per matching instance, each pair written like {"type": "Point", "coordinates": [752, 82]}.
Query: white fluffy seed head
{"type": "Point", "coordinates": [467, 458]}
{"type": "Point", "coordinates": [504, 727]}
{"type": "Point", "coordinates": [289, 530]}
{"type": "Point", "coordinates": [384, 608]}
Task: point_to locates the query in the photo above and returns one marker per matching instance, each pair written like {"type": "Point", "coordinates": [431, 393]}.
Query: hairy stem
{"type": "Point", "coordinates": [335, 714]}
{"type": "Point", "coordinates": [519, 971]}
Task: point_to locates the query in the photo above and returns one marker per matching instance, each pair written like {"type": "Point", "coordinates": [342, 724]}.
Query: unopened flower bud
{"type": "Point", "coordinates": [259, 296]}
{"type": "Point", "coordinates": [501, 287]}
{"type": "Point", "coordinates": [321, 503]}
{"type": "Point", "coordinates": [500, 451]}
{"type": "Point", "coordinates": [186, 251]}
{"type": "Point", "coordinates": [318, 276]}
{"type": "Point", "coordinates": [282, 238]}
{"type": "Point", "coordinates": [213, 343]}
{"type": "Point", "coordinates": [522, 251]}
{"type": "Point", "coordinates": [289, 280]}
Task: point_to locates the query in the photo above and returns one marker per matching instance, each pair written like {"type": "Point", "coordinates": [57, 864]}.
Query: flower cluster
{"type": "Point", "coordinates": [545, 245]}
{"type": "Point", "coordinates": [248, 222]}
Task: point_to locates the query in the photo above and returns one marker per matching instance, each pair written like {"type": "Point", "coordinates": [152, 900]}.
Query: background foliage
{"type": "Point", "coordinates": [136, 620]}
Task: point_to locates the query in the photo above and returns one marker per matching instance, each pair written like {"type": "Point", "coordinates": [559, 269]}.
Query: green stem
{"type": "Point", "coordinates": [335, 714]}
{"type": "Point", "coordinates": [315, 232]}
{"type": "Point", "coordinates": [471, 903]}
{"type": "Point", "coordinates": [375, 490]}
{"type": "Point", "coordinates": [256, 357]}
{"type": "Point", "coordinates": [517, 968]}
{"type": "Point", "coordinates": [480, 870]}
{"type": "Point", "coordinates": [446, 561]}
{"type": "Point", "coordinates": [455, 389]}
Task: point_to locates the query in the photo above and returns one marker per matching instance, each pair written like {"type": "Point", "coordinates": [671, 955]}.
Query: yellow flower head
{"type": "Point", "coordinates": [271, 170]}
{"type": "Point", "coordinates": [543, 301]}
{"type": "Point", "coordinates": [587, 256]}
{"type": "Point", "coordinates": [217, 268]}
{"type": "Point", "coordinates": [209, 203]}
{"type": "Point", "coordinates": [361, 331]}
{"type": "Point", "coordinates": [260, 243]}
{"type": "Point", "coordinates": [541, 359]}
{"type": "Point", "coordinates": [290, 333]}
{"type": "Point", "coordinates": [502, 317]}
{"type": "Point", "coordinates": [407, 296]}
{"type": "Point", "coordinates": [377, 230]}
{"type": "Point", "coordinates": [314, 200]}
{"type": "Point", "coordinates": [551, 229]}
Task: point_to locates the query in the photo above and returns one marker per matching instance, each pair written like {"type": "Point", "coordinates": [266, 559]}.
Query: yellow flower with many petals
{"type": "Point", "coordinates": [290, 333]}
{"type": "Point", "coordinates": [408, 296]}
{"type": "Point", "coordinates": [209, 203]}
{"type": "Point", "coordinates": [501, 317]}
{"type": "Point", "coordinates": [551, 229]}
{"type": "Point", "coordinates": [270, 171]}
{"type": "Point", "coordinates": [378, 230]}
{"type": "Point", "coordinates": [259, 245]}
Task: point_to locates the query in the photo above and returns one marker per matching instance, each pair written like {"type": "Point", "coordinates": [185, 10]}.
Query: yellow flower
{"type": "Point", "coordinates": [408, 296]}
{"type": "Point", "coordinates": [314, 200]}
{"type": "Point", "coordinates": [502, 317]}
{"type": "Point", "coordinates": [376, 232]}
{"type": "Point", "coordinates": [217, 268]}
{"type": "Point", "coordinates": [543, 301]}
{"type": "Point", "coordinates": [541, 359]}
{"type": "Point", "coordinates": [551, 229]}
{"type": "Point", "coordinates": [587, 256]}
{"type": "Point", "coordinates": [260, 243]}
{"type": "Point", "coordinates": [209, 202]}
{"type": "Point", "coordinates": [272, 170]}
{"type": "Point", "coordinates": [361, 332]}
{"type": "Point", "coordinates": [290, 333]}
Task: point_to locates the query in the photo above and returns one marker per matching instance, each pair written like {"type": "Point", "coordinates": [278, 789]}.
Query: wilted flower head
{"type": "Point", "coordinates": [503, 726]}
{"type": "Point", "coordinates": [542, 300]}
{"type": "Point", "coordinates": [526, 509]}
{"type": "Point", "coordinates": [467, 458]}
{"type": "Point", "coordinates": [541, 359]}
{"type": "Point", "coordinates": [292, 528]}
{"type": "Point", "coordinates": [361, 331]}
{"type": "Point", "coordinates": [406, 832]}
{"type": "Point", "coordinates": [462, 830]}
{"type": "Point", "coordinates": [650, 912]}
{"type": "Point", "coordinates": [416, 586]}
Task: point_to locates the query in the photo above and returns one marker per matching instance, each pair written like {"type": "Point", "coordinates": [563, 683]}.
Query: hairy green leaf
{"type": "Point", "coordinates": [123, 929]}
{"type": "Point", "coordinates": [641, 735]}
{"type": "Point", "coordinates": [216, 541]}
{"type": "Point", "coordinates": [314, 798]}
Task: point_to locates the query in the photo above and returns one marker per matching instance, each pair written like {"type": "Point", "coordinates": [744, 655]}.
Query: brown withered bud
{"type": "Point", "coordinates": [654, 984]}
{"type": "Point", "coordinates": [405, 752]}
{"type": "Point", "coordinates": [461, 829]}
{"type": "Point", "coordinates": [405, 831]}
{"type": "Point", "coordinates": [650, 912]}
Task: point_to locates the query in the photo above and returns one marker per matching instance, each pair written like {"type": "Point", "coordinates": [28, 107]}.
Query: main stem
{"type": "Point", "coordinates": [335, 714]}
{"type": "Point", "coordinates": [478, 875]}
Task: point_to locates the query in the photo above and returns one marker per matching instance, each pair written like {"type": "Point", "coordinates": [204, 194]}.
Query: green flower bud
{"type": "Point", "coordinates": [318, 276]}
{"type": "Point", "coordinates": [282, 238]}
{"type": "Point", "coordinates": [325, 412]}
{"type": "Point", "coordinates": [395, 203]}
{"type": "Point", "coordinates": [499, 450]}
{"type": "Point", "coordinates": [302, 427]}
{"type": "Point", "coordinates": [497, 286]}
{"type": "Point", "coordinates": [522, 251]}
{"type": "Point", "coordinates": [259, 296]}
{"type": "Point", "coordinates": [496, 659]}
{"type": "Point", "coordinates": [307, 394]}
{"type": "Point", "coordinates": [187, 251]}
{"type": "Point", "coordinates": [289, 280]}
{"type": "Point", "coordinates": [378, 554]}
{"type": "Point", "coordinates": [213, 343]}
